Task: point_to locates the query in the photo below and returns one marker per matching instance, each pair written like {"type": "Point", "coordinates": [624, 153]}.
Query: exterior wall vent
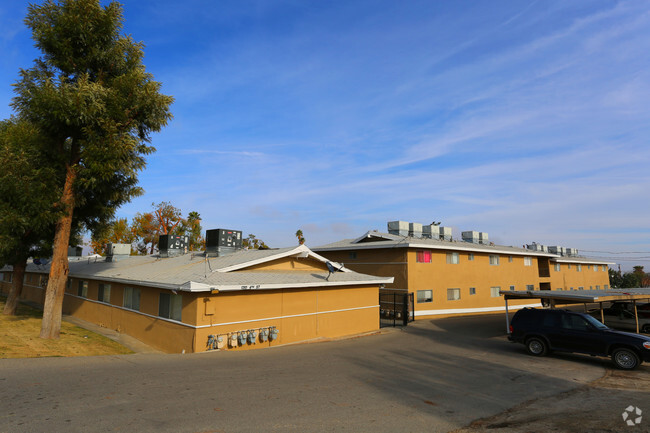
{"type": "Point", "coordinates": [172, 245]}
{"type": "Point", "coordinates": [471, 236]}
{"type": "Point", "coordinates": [399, 228]}
{"type": "Point", "coordinates": [415, 230]}
{"type": "Point", "coordinates": [219, 242]}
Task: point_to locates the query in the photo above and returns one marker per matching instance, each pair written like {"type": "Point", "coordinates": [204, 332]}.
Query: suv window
{"type": "Point", "coordinates": [550, 320]}
{"type": "Point", "coordinates": [576, 323]}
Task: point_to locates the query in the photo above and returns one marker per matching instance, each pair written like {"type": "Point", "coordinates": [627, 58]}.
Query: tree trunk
{"type": "Point", "coordinates": [53, 308]}
{"type": "Point", "coordinates": [16, 288]}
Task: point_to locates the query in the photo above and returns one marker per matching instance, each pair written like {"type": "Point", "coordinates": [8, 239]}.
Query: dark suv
{"type": "Point", "coordinates": [543, 330]}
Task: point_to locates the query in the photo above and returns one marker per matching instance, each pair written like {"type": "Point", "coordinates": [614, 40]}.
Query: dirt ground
{"type": "Point", "coordinates": [596, 407]}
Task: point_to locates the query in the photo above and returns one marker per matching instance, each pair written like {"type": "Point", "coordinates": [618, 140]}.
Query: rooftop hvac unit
{"type": "Point", "coordinates": [572, 252]}
{"type": "Point", "coordinates": [173, 245]}
{"type": "Point", "coordinates": [115, 252]}
{"type": "Point", "coordinates": [444, 233]}
{"type": "Point", "coordinates": [430, 231]}
{"type": "Point", "coordinates": [219, 242]}
{"type": "Point", "coordinates": [557, 250]}
{"type": "Point", "coordinates": [483, 238]}
{"type": "Point", "coordinates": [471, 236]}
{"type": "Point", "coordinates": [415, 230]}
{"type": "Point", "coordinates": [537, 247]}
{"type": "Point", "coordinates": [399, 228]}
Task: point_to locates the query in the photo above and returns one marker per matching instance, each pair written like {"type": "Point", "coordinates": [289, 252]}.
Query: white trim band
{"type": "Point", "coordinates": [472, 310]}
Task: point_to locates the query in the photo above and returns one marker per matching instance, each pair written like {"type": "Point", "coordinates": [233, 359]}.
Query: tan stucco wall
{"type": "Point", "coordinates": [380, 262]}
{"type": "Point", "coordinates": [298, 314]}
{"type": "Point", "coordinates": [290, 264]}
{"type": "Point", "coordinates": [588, 278]}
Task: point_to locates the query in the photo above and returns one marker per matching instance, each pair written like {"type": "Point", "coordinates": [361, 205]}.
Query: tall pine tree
{"type": "Point", "coordinates": [90, 94]}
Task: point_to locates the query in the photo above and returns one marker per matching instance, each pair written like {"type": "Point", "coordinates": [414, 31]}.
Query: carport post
{"type": "Point", "coordinates": [636, 315]}
{"type": "Point", "coordinates": [507, 319]}
{"type": "Point", "coordinates": [602, 314]}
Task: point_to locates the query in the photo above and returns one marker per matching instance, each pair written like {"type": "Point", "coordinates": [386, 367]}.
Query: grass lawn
{"type": "Point", "coordinates": [19, 338]}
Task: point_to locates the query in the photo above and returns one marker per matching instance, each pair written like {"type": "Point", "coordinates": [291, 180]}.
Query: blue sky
{"type": "Point", "coordinates": [528, 120]}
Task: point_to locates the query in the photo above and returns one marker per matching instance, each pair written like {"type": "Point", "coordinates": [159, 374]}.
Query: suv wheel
{"type": "Point", "coordinates": [625, 359]}
{"type": "Point", "coordinates": [536, 346]}
{"type": "Point", "coordinates": [646, 329]}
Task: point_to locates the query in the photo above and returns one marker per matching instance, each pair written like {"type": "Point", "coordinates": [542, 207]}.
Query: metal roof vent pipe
{"type": "Point", "coordinates": [219, 242]}
{"type": "Point", "coordinates": [116, 252]}
{"type": "Point", "coordinates": [173, 245]}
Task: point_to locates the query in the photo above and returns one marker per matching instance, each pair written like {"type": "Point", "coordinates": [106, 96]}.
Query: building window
{"type": "Point", "coordinates": [604, 268]}
{"type": "Point", "coordinates": [425, 296]}
{"type": "Point", "coordinates": [606, 286]}
{"type": "Point", "coordinates": [472, 290]}
{"type": "Point", "coordinates": [452, 258]}
{"type": "Point", "coordinates": [588, 267]}
{"type": "Point", "coordinates": [579, 267]}
{"type": "Point", "coordinates": [570, 288]}
{"type": "Point", "coordinates": [82, 289]}
{"type": "Point", "coordinates": [597, 286]}
{"type": "Point", "coordinates": [595, 268]}
{"type": "Point", "coordinates": [494, 291]}
{"type": "Point", "coordinates": [558, 267]}
{"type": "Point", "coordinates": [494, 259]}
{"type": "Point", "coordinates": [8, 277]}
{"type": "Point", "coordinates": [453, 294]}
{"type": "Point", "coordinates": [512, 288]}
{"type": "Point", "coordinates": [131, 298]}
{"type": "Point", "coordinates": [43, 281]}
{"type": "Point", "coordinates": [353, 255]}
{"type": "Point", "coordinates": [581, 288]}
{"type": "Point", "coordinates": [528, 261]}
{"type": "Point", "coordinates": [591, 287]}
{"type": "Point", "coordinates": [423, 256]}
{"type": "Point", "coordinates": [559, 288]}
{"type": "Point", "coordinates": [470, 256]}
{"type": "Point", "coordinates": [170, 306]}
{"type": "Point", "coordinates": [104, 293]}
{"type": "Point", "coordinates": [530, 287]}
{"type": "Point", "coordinates": [568, 266]}
{"type": "Point", "coordinates": [509, 259]}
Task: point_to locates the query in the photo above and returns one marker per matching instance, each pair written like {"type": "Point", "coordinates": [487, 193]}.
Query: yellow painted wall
{"type": "Point", "coordinates": [570, 277]}
{"type": "Point", "coordinates": [298, 314]}
{"type": "Point", "coordinates": [387, 262]}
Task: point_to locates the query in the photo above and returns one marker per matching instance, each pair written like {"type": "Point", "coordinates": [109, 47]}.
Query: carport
{"type": "Point", "coordinates": [585, 297]}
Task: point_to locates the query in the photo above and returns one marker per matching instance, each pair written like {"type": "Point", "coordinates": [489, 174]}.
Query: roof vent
{"type": "Point", "coordinates": [561, 251]}
{"type": "Point", "coordinates": [173, 245]}
{"type": "Point", "coordinates": [537, 247]}
{"type": "Point", "coordinates": [219, 242]}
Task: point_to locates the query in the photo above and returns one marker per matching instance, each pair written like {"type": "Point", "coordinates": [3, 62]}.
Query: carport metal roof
{"type": "Point", "coordinates": [579, 297]}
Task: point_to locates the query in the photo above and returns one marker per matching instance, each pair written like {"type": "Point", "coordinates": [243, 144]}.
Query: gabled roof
{"type": "Point", "coordinates": [198, 273]}
{"type": "Point", "coordinates": [379, 240]}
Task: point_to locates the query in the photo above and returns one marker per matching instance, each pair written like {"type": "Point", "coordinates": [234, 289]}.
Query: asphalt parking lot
{"type": "Point", "coordinates": [458, 374]}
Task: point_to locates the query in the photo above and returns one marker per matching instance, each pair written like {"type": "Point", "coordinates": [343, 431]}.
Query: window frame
{"type": "Point", "coordinates": [421, 256]}
{"type": "Point", "coordinates": [528, 261]}
{"type": "Point", "coordinates": [82, 288]}
{"type": "Point", "coordinates": [494, 291]}
{"type": "Point", "coordinates": [494, 260]}
{"type": "Point", "coordinates": [129, 296]}
{"type": "Point", "coordinates": [173, 312]}
{"type": "Point", "coordinates": [424, 299]}
{"type": "Point", "coordinates": [455, 294]}
{"type": "Point", "coordinates": [104, 293]}
{"type": "Point", "coordinates": [453, 258]}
